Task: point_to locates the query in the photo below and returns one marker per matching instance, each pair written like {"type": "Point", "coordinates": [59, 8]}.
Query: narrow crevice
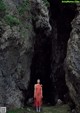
{"type": "Point", "coordinates": [61, 16]}
{"type": "Point", "coordinates": [41, 64]}
{"type": "Point", "coordinates": [50, 53]}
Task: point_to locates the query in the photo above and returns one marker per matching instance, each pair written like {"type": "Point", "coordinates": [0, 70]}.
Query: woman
{"type": "Point", "coordinates": [38, 95]}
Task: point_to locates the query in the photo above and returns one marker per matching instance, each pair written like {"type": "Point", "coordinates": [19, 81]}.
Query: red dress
{"type": "Point", "coordinates": [38, 95]}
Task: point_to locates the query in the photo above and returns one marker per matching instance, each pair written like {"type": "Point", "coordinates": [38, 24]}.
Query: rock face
{"type": "Point", "coordinates": [40, 16]}
{"type": "Point", "coordinates": [30, 48]}
{"type": "Point", "coordinates": [16, 50]}
{"type": "Point", "coordinates": [73, 62]}
{"type": "Point", "coordinates": [17, 47]}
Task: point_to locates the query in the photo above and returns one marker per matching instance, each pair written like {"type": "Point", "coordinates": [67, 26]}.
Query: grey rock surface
{"type": "Point", "coordinates": [41, 16]}
{"type": "Point", "coordinates": [16, 50]}
{"type": "Point", "coordinates": [73, 62]}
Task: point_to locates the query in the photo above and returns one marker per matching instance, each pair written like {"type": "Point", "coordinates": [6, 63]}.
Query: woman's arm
{"type": "Point", "coordinates": [41, 92]}
{"type": "Point", "coordinates": [34, 91]}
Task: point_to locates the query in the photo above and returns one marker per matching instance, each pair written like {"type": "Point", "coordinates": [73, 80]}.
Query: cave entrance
{"type": "Point", "coordinates": [41, 65]}
{"type": "Point", "coordinates": [61, 16]}
{"type": "Point", "coordinates": [50, 52]}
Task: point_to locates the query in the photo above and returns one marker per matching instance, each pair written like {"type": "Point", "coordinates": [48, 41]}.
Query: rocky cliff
{"type": "Point", "coordinates": [17, 39]}
{"type": "Point", "coordinates": [73, 61]}
{"type": "Point", "coordinates": [16, 49]}
{"type": "Point", "coordinates": [33, 44]}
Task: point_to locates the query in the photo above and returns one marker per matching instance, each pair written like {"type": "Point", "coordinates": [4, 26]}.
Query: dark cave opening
{"type": "Point", "coordinates": [41, 65]}
{"type": "Point", "coordinates": [61, 16]}
{"type": "Point", "coordinates": [50, 53]}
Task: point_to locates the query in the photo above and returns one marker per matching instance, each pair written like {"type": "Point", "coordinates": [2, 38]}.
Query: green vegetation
{"type": "Point", "coordinates": [70, 1]}
{"type": "Point", "coordinates": [46, 3]}
{"type": "Point", "coordinates": [2, 6]}
{"type": "Point", "coordinates": [11, 20]}
{"type": "Point", "coordinates": [45, 109]}
{"type": "Point", "coordinates": [25, 6]}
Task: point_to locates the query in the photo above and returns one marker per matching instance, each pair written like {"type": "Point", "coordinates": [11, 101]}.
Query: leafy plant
{"type": "Point", "coordinates": [2, 6]}
{"type": "Point", "coordinates": [25, 6]}
{"type": "Point", "coordinates": [12, 20]}
{"type": "Point", "coordinates": [46, 3]}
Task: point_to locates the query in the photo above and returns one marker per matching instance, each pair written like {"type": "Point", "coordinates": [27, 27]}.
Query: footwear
{"type": "Point", "coordinates": [36, 109]}
{"type": "Point", "coordinates": [39, 109]}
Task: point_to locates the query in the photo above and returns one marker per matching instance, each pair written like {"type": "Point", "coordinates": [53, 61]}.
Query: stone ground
{"type": "Point", "coordinates": [45, 109]}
